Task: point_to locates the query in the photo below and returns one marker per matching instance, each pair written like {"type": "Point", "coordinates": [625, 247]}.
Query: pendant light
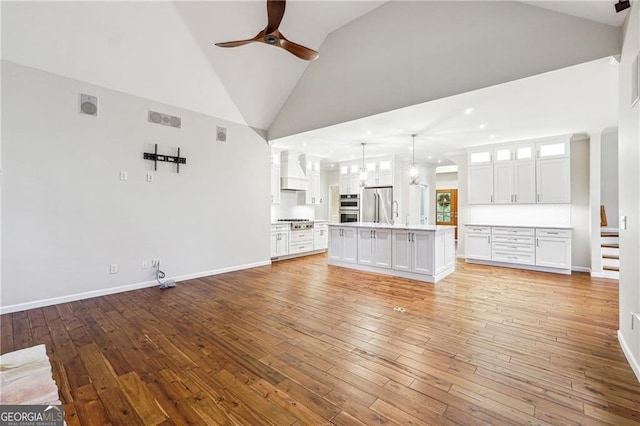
{"type": "Point", "coordinates": [414, 174]}
{"type": "Point", "coordinates": [363, 170]}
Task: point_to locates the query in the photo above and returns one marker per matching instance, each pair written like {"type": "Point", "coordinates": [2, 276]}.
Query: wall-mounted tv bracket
{"type": "Point", "coordinates": [155, 157]}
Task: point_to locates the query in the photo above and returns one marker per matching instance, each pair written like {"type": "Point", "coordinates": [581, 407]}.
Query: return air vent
{"type": "Point", "coordinates": [221, 134]}
{"type": "Point", "coordinates": [165, 119]}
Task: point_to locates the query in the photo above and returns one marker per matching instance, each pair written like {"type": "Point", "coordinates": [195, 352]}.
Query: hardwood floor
{"type": "Point", "coordinates": [299, 342]}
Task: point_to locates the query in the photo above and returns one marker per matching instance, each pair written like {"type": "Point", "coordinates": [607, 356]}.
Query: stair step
{"type": "Point", "coordinates": [609, 234]}
{"type": "Point", "coordinates": [611, 268]}
{"type": "Point", "coordinates": [610, 256]}
{"type": "Point", "coordinates": [610, 245]}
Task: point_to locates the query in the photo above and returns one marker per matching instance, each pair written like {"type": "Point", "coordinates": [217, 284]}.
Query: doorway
{"type": "Point", "coordinates": [447, 208]}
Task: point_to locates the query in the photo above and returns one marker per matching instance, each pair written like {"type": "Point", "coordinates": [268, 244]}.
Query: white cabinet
{"type": "Point", "coordinates": [514, 182]}
{"type": "Point", "coordinates": [521, 173]}
{"type": "Point", "coordinates": [343, 244]}
{"type": "Point", "coordinates": [480, 184]}
{"type": "Point", "coordinates": [320, 236]}
{"type": "Point", "coordinates": [275, 178]}
{"type": "Point", "coordinates": [538, 249]}
{"type": "Point", "coordinates": [445, 251]}
{"type": "Point", "coordinates": [313, 194]}
{"type": "Point", "coordinates": [553, 181]}
{"type": "Point", "coordinates": [374, 247]}
{"type": "Point", "coordinates": [513, 245]}
{"type": "Point", "coordinates": [413, 251]}
{"type": "Point", "coordinates": [380, 178]}
{"type": "Point", "coordinates": [553, 248]}
{"type": "Point", "coordinates": [553, 148]}
{"type": "Point", "coordinates": [349, 183]}
{"type": "Point", "coordinates": [279, 240]}
{"type": "Point", "coordinates": [478, 242]}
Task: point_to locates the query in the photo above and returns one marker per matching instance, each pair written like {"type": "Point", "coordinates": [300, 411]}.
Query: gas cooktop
{"type": "Point", "coordinates": [293, 220]}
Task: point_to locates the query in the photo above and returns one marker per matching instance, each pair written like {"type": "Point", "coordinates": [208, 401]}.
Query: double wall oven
{"type": "Point", "coordinates": [349, 208]}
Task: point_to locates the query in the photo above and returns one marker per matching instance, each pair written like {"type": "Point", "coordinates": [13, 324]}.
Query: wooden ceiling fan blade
{"type": "Point", "coordinates": [237, 43]}
{"type": "Point", "coordinates": [298, 50]}
{"type": "Point", "coordinates": [275, 13]}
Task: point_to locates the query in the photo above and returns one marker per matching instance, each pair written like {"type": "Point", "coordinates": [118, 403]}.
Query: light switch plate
{"type": "Point", "coordinates": [123, 175]}
{"type": "Point", "coordinates": [623, 222]}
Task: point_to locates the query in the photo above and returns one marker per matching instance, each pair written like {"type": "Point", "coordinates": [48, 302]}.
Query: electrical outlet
{"type": "Point", "coordinates": [123, 175]}
{"type": "Point", "coordinates": [113, 268]}
{"type": "Point", "coordinates": [145, 264]}
{"type": "Point", "coordinates": [149, 177]}
{"type": "Point", "coordinates": [155, 263]}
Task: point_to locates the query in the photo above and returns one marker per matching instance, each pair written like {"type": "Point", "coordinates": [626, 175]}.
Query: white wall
{"type": "Point", "coordinates": [580, 205]}
{"type": "Point", "coordinates": [447, 180]}
{"type": "Point", "coordinates": [629, 192]}
{"type": "Point", "coordinates": [609, 177]}
{"type": "Point", "coordinates": [447, 48]}
{"type": "Point", "coordinates": [66, 216]}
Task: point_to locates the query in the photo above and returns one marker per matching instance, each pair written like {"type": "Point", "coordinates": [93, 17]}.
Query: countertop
{"type": "Point", "coordinates": [394, 226]}
{"type": "Point", "coordinates": [287, 222]}
{"type": "Point", "coordinates": [501, 225]}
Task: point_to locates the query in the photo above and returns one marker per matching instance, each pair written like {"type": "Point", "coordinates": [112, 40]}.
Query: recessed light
{"type": "Point", "coordinates": [483, 126]}
{"type": "Point", "coordinates": [333, 165]}
{"type": "Point", "coordinates": [368, 132]}
{"type": "Point", "coordinates": [468, 110]}
{"type": "Point", "coordinates": [439, 161]}
{"type": "Point", "coordinates": [492, 137]}
{"type": "Point", "coordinates": [429, 157]}
{"type": "Point", "coordinates": [304, 144]}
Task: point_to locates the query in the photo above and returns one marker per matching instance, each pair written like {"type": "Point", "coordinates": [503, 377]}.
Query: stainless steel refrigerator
{"type": "Point", "coordinates": [377, 204]}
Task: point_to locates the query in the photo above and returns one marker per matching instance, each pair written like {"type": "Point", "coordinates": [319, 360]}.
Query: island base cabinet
{"type": "Point", "coordinates": [343, 245]}
{"type": "Point", "coordinates": [374, 247]}
{"type": "Point", "coordinates": [445, 252]}
{"type": "Point", "coordinates": [413, 251]}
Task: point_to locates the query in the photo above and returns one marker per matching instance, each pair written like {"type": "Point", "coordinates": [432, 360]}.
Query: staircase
{"type": "Point", "coordinates": [610, 245]}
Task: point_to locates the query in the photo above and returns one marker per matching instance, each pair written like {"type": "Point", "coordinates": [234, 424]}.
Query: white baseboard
{"type": "Point", "coordinates": [633, 362]}
{"type": "Point", "coordinates": [112, 290]}
{"type": "Point", "coordinates": [581, 269]}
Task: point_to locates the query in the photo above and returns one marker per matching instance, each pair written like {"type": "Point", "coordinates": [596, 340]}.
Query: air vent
{"type": "Point", "coordinates": [165, 119]}
{"type": "Point", "coordinates": [221, 134]}
{"type": "Point", "coordinates": [88, 105]}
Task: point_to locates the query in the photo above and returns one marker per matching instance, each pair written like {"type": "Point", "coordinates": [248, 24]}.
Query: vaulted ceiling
{"type": "Point", "coordinates": [165, 51]}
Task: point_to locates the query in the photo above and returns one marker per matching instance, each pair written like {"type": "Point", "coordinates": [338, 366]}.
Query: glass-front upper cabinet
{"type": "Point", "coordinates": [555, 148]}
{"type": "Point", "coordinates": [518, 152]}
{"type": "Point", "coordinates": [480, 156]}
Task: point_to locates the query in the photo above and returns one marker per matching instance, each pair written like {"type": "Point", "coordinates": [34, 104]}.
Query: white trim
{"type": "Point", "coordinates": [112, 290]}
{"type": "Point", "coordinates": [609, 230]}
{"type": "Point", "coordinates": [635, 366]}
{"type": "Point", "coordinates": [396, 273]}
{"type": "Point", "coordinates": [581, 269]}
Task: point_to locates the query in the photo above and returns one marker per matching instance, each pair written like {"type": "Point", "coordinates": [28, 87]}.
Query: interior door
{"type": "Point", "coordinates": [447, 208]}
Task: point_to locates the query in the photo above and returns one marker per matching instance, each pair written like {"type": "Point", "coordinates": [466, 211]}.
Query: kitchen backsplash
{"type": "Point", "coordinates": [291, 207]}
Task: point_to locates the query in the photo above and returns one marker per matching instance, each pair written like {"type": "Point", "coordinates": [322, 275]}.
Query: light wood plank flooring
{"type": "Point", "coordinates": [299, 342]}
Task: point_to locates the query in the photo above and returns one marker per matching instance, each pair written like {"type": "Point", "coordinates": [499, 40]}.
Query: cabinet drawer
{"type": "Point", "coordinates": [300, 247]}
{"type": "Point", "coordinates": [479, 229]}
{"type": "Point", "coordinates": [280, 228]}
{"type": "Point", "coordinates": [320, 225]}
{"type": "Point", "coordinates": [301, 236]}
{"type": "Point", "coordinates": [513, 248]}
{"type": "Point", "coordinates": [513, 239]}
{"type": "Point", "coordinates": [510, 257]}
{"type": "Point", "coordinates": [555, 233]}
{"type": "Point", "coordinates": [514, 231]}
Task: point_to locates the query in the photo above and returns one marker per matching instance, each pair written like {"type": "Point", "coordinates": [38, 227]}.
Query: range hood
{"type": "Point", "coordinates": [292, 171]}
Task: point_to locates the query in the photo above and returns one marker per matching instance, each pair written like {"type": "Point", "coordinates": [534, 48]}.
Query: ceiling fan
{"type": "Point", "coordinates": [271, 35]}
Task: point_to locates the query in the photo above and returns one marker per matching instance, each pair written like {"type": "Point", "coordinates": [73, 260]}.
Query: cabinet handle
{"type": "Point", "coordinates": [538, 199]}
{"type": "Point", "coordinates": [375, 235]}
{"type": "Point", "coordinates": [537, 242]}
{"type": "Point", "coordinates": [409, 236]}
{"type": "Point", "coordinates": [489, 239]}
{"type": "Point", "coordinates": [515, 196]}
{"type": "Point", "coordinates": [552, 233]}
{"type": "Point", "coordinates": [492, 198]}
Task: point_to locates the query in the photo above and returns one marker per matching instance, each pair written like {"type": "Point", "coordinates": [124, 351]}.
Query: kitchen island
{"type": "Point", "coordinates": [420, 252]}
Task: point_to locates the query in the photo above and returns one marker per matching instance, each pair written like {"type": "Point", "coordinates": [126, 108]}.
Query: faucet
{"type": "Point", "coordinates": [395, 203]}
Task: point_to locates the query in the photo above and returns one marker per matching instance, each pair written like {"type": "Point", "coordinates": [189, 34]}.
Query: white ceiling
{"type": "Point", "coordinates": [574, 100]}
{"type": "Point", "coordinates": [164, 51]}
